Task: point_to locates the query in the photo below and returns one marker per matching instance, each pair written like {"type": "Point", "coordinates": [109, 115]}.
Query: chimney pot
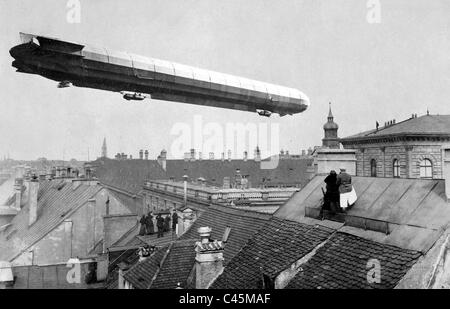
{"type": "Point", "coordinates": [205, 234]}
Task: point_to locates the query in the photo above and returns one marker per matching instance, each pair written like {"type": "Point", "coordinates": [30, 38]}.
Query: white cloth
{"type": "Point", "coordinates": [348, 199]}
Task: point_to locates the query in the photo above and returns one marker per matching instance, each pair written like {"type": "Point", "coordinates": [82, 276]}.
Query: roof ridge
{"type": "Point", "coordinates": [241, 212]}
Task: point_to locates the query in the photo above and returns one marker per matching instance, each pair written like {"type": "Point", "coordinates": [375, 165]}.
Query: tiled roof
{"type": "Point", "coordinates": [416, 210]}
{"type": "Point", "coordinates": [179, 262]}
{"type": "Point", "coordinates": [243, 224]}
{"type": "Point", "coordinates": [424, 125]}
{"type": "Point", "coordinates": [273, 249]}
{"type": "Point", "coordinates": [343, 263]}
{"type": "Point", "coordinates": [56, 200]}
{"type": "Point", "coordinates": [288, 171]}
{"type": "Point", "coordinates": [127, 256]}
{"type": "Point", "coordinates": [129, 175]}
{"type": "Point", "coordinates": [168, 266]}
{"type": "Point", "coordinates": [141, 274]}
{"type": "Point", "coordinates": [177, 266]}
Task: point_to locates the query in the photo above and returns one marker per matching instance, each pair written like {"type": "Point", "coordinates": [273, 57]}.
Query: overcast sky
{"type": "Point", "coordinates": [326, 49]}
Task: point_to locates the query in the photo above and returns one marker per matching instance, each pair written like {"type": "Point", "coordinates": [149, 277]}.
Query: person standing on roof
{"type": "Point", "coordinates": [347, 193]}
{"type": "Point", "coordinates": [174, 220]}
{"type": "Point", "coordinates": [331, 199]}
{"type": "Point", "coordinates": [143, 229]}
{"type": "Point", "coordinates": [150, 229]}
{"type": "Point", "coordinates": [160, 225]}
{"type": "Point", "coordinates": [167, 223]}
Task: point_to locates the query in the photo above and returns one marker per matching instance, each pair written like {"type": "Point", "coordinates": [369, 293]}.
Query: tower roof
{"type": "Point", "coordinates": [330, 124]}
{"type": "Point", "coordinates": [330, 114]}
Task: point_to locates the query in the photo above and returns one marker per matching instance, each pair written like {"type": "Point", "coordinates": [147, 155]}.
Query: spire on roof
{"type": "Point", "coordinates": [104, 149]}
{"type": "Point", "coordinates": [330, 114]}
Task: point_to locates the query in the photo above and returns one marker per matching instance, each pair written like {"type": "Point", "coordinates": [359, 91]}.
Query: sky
{"type": "Point", "coordinates": [332, 50]}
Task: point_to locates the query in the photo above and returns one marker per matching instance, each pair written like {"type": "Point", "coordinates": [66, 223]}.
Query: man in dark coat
{"type": "Point", "coordinates": [331, 199]}
{"type": "Point", "coordinates": [149, 224]}
{"type": "Point", "coordinates": [174, 221]}
{"type": "Point", "coordinates": [142, 221]}
{"type": "Point", "coordinates": [167, 223]}
{"type": "Point", "coordinates": [160, 225]}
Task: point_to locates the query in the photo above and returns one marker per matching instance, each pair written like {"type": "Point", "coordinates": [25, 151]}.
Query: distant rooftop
{"type": "Point", "coordinates": [437, 125]}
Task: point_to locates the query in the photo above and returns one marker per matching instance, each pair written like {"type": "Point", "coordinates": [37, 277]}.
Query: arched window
{"type": "Point", "coordinates": [396, 168]}
{"type": "Point", "coordinates": [426, 168]}
{"type": "Point", "coordinates": [373, 168]}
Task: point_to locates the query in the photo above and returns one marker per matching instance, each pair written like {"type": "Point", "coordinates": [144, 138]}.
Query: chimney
{"type": "Point", "coordinates": [245, 156]}
{"type": "Point", "coordinates": [208, 259]}
{"type": "Point", "coordinates": [146, 154]}
{"type": "Point", "coordinates": [192, 154]}
{"type": "Point", "coordinates": [141, 154]}
{"type": "Point", "coordinates": [223, 156]}
{"type": "Point", "coordinates": [257, 154]}
{"type": "Point", "coordinates": [18, 183]}
{"type": "Point", "coordinates": [229, 155]}
{"type": "Point", "coordinates": [6, 275]}
{"type": "Point", "coordinates": [446, 172]}
{"type": "Point", "coordinates": [33, 200]}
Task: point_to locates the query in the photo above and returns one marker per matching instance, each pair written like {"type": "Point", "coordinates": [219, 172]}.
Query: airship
{"type": "Point", "coordinates": [137, 78]}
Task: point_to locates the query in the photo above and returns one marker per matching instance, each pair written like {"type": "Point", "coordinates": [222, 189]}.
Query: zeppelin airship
{"type": "Point", "coordinates": [137, 77]}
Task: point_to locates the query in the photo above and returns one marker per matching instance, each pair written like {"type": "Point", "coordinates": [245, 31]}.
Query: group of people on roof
{"type": "Point", "coordinates": [163, 224]}
{"type": "Point", "coordinates": [340, 194]}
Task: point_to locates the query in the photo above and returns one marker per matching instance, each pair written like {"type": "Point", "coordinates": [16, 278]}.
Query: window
{"type": "Point", "coordinates": [426, 169]}
{"type": "Point", "coordinates": [396, 168]}
{"type": "Point", "coordinates": [373, 168]}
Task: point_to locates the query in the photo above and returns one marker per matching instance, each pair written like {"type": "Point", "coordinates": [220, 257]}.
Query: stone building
{"type": "Point", "coordinates": [414, 148]}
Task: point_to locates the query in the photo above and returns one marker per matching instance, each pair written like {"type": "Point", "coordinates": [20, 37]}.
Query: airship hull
{"type": "Point", "coordinates": [99, 68]}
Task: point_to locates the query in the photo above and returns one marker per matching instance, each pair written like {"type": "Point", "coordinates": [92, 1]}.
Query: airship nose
{"type": "Point", "coordinates": [16, 52]}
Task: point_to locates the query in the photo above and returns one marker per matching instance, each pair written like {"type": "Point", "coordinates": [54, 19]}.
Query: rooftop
{"type": "Point", "coordinates": [177, 265]}
{"type": "Point", "coordinates": [277, 245]}
{"type": "Point", "coordinates": [436, 125]}
{"type": "Point", "coordinates": [342, 263]}
{"type": "Point", "coordinates": [414, 210]}
{"type": "Point", "coordinates": [57, 199]}
{"type": "Point", "coordinates": [130, 175]}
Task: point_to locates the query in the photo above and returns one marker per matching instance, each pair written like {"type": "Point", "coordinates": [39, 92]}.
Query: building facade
{"type": "Point", "coordinates": [414, 148]}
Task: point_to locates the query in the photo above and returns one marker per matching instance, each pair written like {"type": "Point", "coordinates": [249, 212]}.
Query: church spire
{"type": "Point", "coordinates": [104, 149]}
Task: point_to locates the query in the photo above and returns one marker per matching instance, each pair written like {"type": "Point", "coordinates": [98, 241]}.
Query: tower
{"type": "Point", "coordinates": [104, 149]}
{"type": "Point", "coordinates": [330, 128]}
